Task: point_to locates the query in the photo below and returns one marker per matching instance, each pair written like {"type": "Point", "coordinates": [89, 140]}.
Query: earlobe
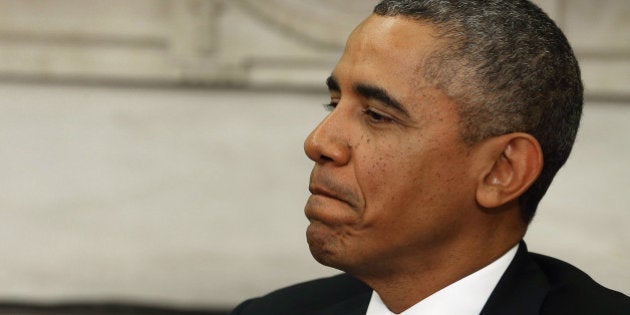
{"type": "Point", "coordinates": [514, 163]}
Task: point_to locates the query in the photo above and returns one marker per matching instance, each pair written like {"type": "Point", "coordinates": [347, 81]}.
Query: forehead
{"type": "Point", "coordinates": [399, 32]}
{"type": "Point", "coordinates": [396, 43]}
{"type": "Point", "coordinates": [391, 52]}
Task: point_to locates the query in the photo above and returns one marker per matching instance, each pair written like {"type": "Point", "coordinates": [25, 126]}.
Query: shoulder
{"type": "Point", "coordinates": [571, 291]}
{"type": "Point", "coordinates": [306, 297]}
{"type": "Point", "coordinates": [538, 284]}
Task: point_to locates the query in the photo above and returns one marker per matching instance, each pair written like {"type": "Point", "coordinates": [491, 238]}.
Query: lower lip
{"type": "Point", "coordinates": [327, 210]}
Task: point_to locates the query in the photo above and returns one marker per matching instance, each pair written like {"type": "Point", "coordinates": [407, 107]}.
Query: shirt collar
{"type": "Point", "coordinates": [465, 296]}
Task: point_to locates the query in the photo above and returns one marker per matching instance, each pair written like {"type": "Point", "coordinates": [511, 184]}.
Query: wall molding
{"type": "Point", "coordinates": [272, 43]}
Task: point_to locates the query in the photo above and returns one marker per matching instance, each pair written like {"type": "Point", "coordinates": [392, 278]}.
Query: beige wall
{"type": "Point", "coordinates": [194, 196]}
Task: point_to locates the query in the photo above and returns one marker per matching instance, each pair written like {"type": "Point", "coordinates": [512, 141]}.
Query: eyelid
{"type": "Point", "coordinates": [384, 118]}
{"type": "Point", "coordinates": [330, 106]}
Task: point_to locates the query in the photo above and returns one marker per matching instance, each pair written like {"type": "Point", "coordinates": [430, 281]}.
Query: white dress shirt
{"type": "Point", "coordinates": [465, 296]}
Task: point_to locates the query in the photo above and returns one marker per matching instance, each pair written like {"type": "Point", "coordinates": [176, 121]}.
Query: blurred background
{"type": "Point", "coordinates": [151, 150]}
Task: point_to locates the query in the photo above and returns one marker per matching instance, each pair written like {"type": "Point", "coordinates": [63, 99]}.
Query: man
{"type": "Point", "coordinates": [448, 121]}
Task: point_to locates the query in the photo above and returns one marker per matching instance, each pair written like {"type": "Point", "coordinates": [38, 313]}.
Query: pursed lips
{"type": "Point", "coordinates": [318, 190]}
{"type": "Point", "coordinates": [337, 192]}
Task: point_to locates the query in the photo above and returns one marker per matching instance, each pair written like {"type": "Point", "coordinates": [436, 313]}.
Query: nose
{"type": "Point", "coordinates": [329, 141]}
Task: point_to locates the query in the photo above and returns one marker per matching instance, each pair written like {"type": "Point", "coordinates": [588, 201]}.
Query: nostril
{"type": "Point", "coordinates": [324, 158]}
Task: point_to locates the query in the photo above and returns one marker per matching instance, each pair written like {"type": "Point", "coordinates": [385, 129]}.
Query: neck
{"type": "Point", "coordinates": [414, 278]}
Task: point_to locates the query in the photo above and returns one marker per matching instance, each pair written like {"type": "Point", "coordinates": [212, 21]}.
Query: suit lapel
{"type": "Point", "coordinates": [355, 305]}
{"type": "Point", "coordinates": [521, 290]}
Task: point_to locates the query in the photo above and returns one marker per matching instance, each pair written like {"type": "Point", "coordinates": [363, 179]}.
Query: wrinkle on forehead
{"type": "Point", "coordinates": [405, 45]}
{"type": "Point", "coordinates": [392, 37]}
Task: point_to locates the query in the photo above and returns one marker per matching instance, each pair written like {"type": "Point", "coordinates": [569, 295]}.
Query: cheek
{"type": "Point", "coordinates": [388, 181]}
{"type": "Point", "coordinates": [399, 183]}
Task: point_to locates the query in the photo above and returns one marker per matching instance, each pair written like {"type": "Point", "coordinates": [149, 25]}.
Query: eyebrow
{"type": "Point", "coordinates": [381, 95]}
{"type": "Point", "coordinates": [332, 84]}
{"type": "Point", "coordinates": [370, 92]}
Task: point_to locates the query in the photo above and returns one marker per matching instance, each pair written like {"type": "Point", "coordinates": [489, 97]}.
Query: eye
{"type": "Point", "coordinates": [330, 106]}
{"type": "Point", "coordinates": [376, 117]}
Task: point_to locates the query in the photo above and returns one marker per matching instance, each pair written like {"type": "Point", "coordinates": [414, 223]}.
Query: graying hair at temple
{"type": "Point", "coordinates": [510, 68]}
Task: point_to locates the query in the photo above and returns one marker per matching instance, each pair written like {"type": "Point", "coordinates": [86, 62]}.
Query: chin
{"type": "Point", "coordinates": [331, 260]}
{"type": "Point", "coordinates": [324, 245]}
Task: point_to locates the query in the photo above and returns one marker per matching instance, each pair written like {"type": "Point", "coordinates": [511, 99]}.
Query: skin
{"type": "Point", "coordinates": [398, 199]}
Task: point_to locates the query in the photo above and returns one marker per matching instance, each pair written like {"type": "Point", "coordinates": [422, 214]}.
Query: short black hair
{"type": "Point", "coordinates": [510, 69]}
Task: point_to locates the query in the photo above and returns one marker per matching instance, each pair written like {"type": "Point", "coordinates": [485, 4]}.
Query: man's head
{"type": "Point", "coordinates": [434, 135]}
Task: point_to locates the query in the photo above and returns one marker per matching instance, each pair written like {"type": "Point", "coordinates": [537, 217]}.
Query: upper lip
{"type": "Point", "coordinates": [324, 190]}
{"type": "Point", "coordinates": [326, 185]}
{"type": "Point", "coordinates": [320, 190]}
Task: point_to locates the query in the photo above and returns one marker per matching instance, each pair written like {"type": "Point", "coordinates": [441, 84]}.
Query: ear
{"type": "Point", "coordinates": [512, 163]}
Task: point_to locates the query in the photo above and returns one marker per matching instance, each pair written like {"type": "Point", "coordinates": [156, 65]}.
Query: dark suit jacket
{"type": "Point", "coordinates": [532, 284]}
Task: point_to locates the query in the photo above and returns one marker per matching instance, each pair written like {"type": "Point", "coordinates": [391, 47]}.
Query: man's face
{"type": "Point", "coordinates": [391, 182]}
